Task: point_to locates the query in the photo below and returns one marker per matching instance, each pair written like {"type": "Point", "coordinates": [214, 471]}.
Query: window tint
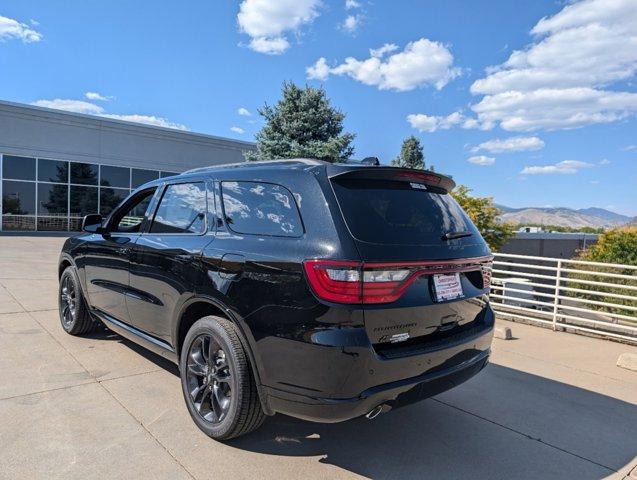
{"type": "Point", "coordinates": [131, 218]}
{"type": "Point", "coordinates": [84, 173]}
{"type": "Point", "coordinates": [261, 209]}
{"type": "Point", "coordinates": [182, 209]}
{"type": "Point", "coordinates": [53, 171]}
{"type": "Point", "coordinates": [118, 177]}
{"type": "Point", "coordinates": [141, 176]}
{"type": "Point", "coordinates": [400, 213]}
{"type": "Point", "coordinates": [18, 168]}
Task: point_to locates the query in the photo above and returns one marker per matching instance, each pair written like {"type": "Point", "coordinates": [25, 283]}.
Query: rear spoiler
{"type": "Point", "coordinates": [392, 173]}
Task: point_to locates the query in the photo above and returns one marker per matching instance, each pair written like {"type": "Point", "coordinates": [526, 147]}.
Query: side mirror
{"type": "Point", "coordinates": [93, 224]}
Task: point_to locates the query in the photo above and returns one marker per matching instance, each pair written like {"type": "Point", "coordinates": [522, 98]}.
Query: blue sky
{"type": "Point", "coordinates": [533, 103]}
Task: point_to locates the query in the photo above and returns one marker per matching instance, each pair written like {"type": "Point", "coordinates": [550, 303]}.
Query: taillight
{"type": "Point", "coordinates": [358, 282]}
{"type": "Point", "coordinates": [335, 281]}
{"type": "Point", "coordinates": [352, 282]}
{"type": "Point", "coordinates": [486, 274]}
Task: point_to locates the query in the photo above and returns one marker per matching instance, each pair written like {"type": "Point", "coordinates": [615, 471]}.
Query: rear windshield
{"type": "Point", "coordinates": [401, 213]}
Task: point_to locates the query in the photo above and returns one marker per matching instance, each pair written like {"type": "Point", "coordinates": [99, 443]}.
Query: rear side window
{"type": "Point", "coordinates": [261, 209]}
{"type": "Point", "coordinates": [401, 213]}
{"type": "Point", "coordinates": [182, 209]}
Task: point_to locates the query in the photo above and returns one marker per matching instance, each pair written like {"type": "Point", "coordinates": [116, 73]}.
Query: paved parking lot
{"type": "Point", "coordinates": [550, 405]}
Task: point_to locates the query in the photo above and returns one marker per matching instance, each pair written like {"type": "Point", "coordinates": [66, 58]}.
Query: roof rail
{"type": "Point", "coordinates": [246, 164]}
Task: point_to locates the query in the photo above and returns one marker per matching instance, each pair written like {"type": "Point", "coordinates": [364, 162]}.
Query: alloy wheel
{"type": "Point", "coordinates": [209, 379]}
{"type": "Point", "coordinates": [68, 301]}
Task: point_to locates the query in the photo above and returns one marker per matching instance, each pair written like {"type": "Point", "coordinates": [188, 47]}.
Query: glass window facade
{"type": "Point", "coordinates": [84, 173]}
{"type": "Point", "coordinates": [141, 176]}
{"type": "Point", "coordinates": [53, 171]}
{"type": "Point", "coordinates": [52, 195]}
{"type": "Point", "coordinates": [18, 168]}
{"type": "Point", "coordinates": [117, 177]}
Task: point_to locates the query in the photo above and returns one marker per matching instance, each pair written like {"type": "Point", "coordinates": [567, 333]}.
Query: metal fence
{"type": "Point", "coordinates": [575, 295]}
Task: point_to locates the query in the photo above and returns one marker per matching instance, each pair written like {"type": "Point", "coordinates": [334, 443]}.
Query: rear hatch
{"type": "Point", "coordinates": [425, 267]}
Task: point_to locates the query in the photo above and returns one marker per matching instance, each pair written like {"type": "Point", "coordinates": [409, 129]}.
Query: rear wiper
{"type": "Point", "coordinates": [454, 235]}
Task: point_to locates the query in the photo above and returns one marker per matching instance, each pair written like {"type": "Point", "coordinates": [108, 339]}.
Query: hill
{"type": "Point", "coordinates": [564, 217]}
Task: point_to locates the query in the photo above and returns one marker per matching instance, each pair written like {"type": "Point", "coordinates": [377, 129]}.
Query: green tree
{"type": "Point", "coordinates": [618, 245]}
{"type": "Point", "coordinates": [303, 124]}
{"type": "Point", "coordinates": [411, 154]}
{"type": "Point", "coordinates": [484, 215]}
{"type": "Point", "coordinates": [12, 205]}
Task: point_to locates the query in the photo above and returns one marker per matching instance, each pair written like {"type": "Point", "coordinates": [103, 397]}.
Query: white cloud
{"type": "Point", "coordinates": [552, 109]}
{"type": "Point", "coordinates": [80, 106]}
{"type": "Point", "coordinates": [422, 62]}
{"type": "Point", "coordinates": [482, 160]}
{"type": "Point", "coordinates": [77, 106]}
{"type": "Point", "coordinates": [511, 144]}
{"type": "Point", "coordinates": [630, 148]}
{"type": "Point", "coordinates": [431, 123]}
{"type": "Point", "coordinates": [561, 80]}
{"type": "Point", "coordinates": [238, 130]}
{"type": "Point", "coordinates": [350, 4]}
{"type": "Point", "coordinates": [269, 46]}
{"type": "Point", "coordinates": [98, 96]}
{"type": "Point", "coordinates": [267, 22]}
{"type": "Point", "coordinates": [11, 29]}
{"type": "Point", "coordinates": [563, 167]}
{"type": "Point", "coordinates": [244, 112]}
{"type": "Point", "coordinates": [379, 52]}
{"type": "Point", "coordinates": [146, 119]}
{"type": "Point", "coordinates": [351, 23]}
{"type": "Point", "coordinates": [604, 161]}
{"type": "Point", "coordinates": [319, 71]}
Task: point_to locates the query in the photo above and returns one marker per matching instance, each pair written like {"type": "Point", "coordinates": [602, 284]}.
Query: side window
{"type": "Point", "coordinates": [131, 217]}
{"type": "Point", "coordinates": [182, 209]}
{"type": "Point", "coordinates": [261, 209]}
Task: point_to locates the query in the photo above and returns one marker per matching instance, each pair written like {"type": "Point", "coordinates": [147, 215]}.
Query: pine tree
{"type": "Point", "coordinates": [411, 155]}
{"type": "Point", "coordinates": [303, 124]}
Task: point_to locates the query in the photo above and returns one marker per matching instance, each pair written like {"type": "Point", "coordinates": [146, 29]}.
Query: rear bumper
{"type": "Point", "coordinates": [392, 395]}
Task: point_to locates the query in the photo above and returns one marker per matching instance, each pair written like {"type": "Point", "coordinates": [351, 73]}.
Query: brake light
{"type": "Point", "coordinates": [358, 282]}
{"type": "Point", "coordinates": [351, 282]}
{"type": "Point", "coordinates": [426, 177]}
{"type": "Point", "coordinates": [334, 281]}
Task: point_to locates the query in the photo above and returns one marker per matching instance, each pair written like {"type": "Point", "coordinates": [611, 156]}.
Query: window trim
{"type": "Point", "coordinates": [126, 204]}
{"type": "Point", "coordinates": [230, 229]}
{"type": "Point", "coordinates": [164, 186]}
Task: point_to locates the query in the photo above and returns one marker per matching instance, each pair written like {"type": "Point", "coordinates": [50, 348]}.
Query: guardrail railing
{"type": "Point", "coordinates": [577, 295]}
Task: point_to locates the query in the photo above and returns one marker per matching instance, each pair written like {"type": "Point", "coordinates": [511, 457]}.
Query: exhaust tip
{"type": "Point", "coordinates": [374, 412]}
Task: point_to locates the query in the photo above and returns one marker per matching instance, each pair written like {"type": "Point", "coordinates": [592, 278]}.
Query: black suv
{"type": "Point", "coordinates": [322, 291]}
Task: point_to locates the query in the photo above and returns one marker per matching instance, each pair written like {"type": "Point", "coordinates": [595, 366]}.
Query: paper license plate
{"type": "Point", "coordinates": [447, 286]}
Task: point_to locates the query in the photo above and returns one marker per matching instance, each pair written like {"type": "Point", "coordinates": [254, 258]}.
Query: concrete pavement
{"type": "Point", "coordinates": [549, 406]}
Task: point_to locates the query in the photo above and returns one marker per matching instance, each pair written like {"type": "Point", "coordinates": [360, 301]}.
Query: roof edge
{"type": "Point", "coordinates": [33, 109]}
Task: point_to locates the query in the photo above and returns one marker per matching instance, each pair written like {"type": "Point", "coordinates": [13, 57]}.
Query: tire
{"type": "Point", "coordinates": [74, 315]}
{"type": "Point", "coordinates": [217, 380]}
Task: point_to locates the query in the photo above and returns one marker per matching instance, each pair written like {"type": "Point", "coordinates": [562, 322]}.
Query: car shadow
{"type": "Point", "coordinates": [502, 424]}
{"type": "Point", "coordinates": [104, 334]}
